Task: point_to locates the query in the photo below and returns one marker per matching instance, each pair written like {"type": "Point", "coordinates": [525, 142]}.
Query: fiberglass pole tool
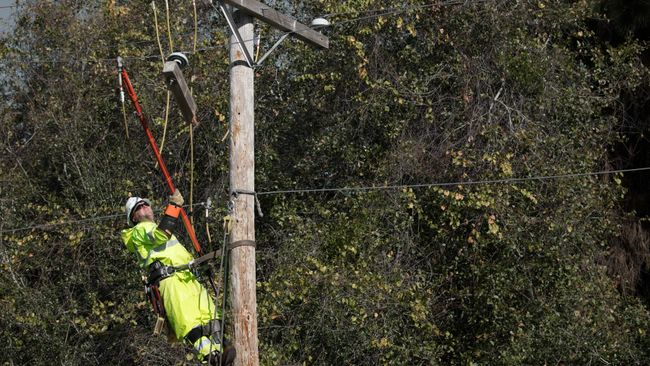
{"type": "Point", "coordinates": [124, 76]}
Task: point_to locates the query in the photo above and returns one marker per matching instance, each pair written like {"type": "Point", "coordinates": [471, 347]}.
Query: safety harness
{"type": "Point", "coordinates": [159, 272]}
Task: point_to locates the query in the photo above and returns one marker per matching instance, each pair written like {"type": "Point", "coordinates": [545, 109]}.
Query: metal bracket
{"type": "Point", "coordinates": [120, 66]}
{"type": "Point", "coordinates": [268, 53]}
{"type": "Point", "coordinates": [231, 23]}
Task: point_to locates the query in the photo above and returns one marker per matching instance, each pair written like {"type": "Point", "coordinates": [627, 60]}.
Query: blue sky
{"type": "Point", "coordinates": [6, 18]}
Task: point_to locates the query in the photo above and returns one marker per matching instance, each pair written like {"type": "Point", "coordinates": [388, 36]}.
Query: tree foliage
{"type": "Point", "coordinates": [488, 269]}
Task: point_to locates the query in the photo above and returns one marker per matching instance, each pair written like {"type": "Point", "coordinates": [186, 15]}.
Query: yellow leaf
{"type": "Point", "coordinates": [363, 73]}
{"type": "Point", "coordinates": [493, 228]}
{"type": "Point", "coordinates": [506, 168]}
{"type": "Point", "coordinates": [412, 30]}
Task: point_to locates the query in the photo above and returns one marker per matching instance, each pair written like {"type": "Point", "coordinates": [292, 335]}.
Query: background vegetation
{"type": "Point", "coordinates": [540, 271]}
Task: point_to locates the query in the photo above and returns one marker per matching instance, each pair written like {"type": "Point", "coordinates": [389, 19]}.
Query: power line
{"type": "Point", "coordinates": [404, 8]}
{"type": "Point", "coordinates": [396, 10]}
{"type": "Point", "coordinates": [458, 183]}
{"type": "Point", "coordinates": [80, 221]}
{"type": "Point", "coordinates": [366, 189]}
{"type": "Point", "coordinates": [48, 226]}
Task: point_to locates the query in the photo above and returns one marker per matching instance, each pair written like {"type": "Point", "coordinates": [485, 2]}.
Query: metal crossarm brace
{"type": "Point", "coordinates": [268, 53]}
{"type": "Point", "coordinates": [231, 23]}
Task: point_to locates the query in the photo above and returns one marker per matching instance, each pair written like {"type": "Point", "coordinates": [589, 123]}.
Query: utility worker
{"type": "Point", "coordinates": [186, 304]}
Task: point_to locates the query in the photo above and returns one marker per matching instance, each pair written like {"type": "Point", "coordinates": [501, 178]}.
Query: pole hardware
{"type": "Point", "coordinates": [276, 19]}
{"type": "Point", "coordinates": [179, 58]}
{"type": "Point", "coordinates": [227, 13]}
{"type": "Point", "coordinates": [281, 21]}
{"type": "Point", "coordinates": [178, 86]}
{"type": "Point", "coordinates": [317, 23]}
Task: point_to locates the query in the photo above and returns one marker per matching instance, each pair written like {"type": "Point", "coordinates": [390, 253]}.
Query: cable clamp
{"type": "Point", "coordinates": [236, 192]}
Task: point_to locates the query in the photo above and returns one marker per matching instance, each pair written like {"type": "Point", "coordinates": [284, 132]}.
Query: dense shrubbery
{"type": "Point", "coordinates": [501, 273]}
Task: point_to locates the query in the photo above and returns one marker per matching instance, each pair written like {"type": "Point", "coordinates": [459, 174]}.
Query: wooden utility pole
{"type": "Point", "coordinates": [242, 179]}
{"type": "Point", "coordinates": [242, 162]}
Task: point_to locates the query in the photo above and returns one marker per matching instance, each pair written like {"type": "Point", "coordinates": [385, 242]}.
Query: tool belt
{"type": "Point", "coordinates": [212, 328]}
{"type": "Point", "coordinates": [158, 272]}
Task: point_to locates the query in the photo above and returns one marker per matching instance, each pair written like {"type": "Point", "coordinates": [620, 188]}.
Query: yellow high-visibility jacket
{"type": "Point", "coordinates": [187, 303]}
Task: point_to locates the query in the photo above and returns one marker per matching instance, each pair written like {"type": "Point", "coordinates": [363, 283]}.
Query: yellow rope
{"type": "Point", "coordinates": [192, 128]}
{"type": "Point", "coordinates": [169, 28]}
{"type": "Point", "coordinates": [162, 57]}
{"type": "Point", "coordinates": [162, 142]}
{"type": "Point", "coordinates": [191, 172]}
{"type": "Point", "coordinates": [196, 25]}
{"type": "Point", "coordinates": [155, 19]}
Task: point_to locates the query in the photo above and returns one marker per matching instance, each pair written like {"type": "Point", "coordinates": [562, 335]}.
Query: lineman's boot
{"type": "Point", "coordinates": [226, 358]}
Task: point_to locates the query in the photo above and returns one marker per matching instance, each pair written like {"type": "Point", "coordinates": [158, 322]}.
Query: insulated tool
{"type": "Point", "coordinates": [124, 77]}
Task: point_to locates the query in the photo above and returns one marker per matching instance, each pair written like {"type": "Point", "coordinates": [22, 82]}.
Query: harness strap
{"type": "Point", "coordinates": [198, 261]}
{"type": "Point", "coordinates": [158, 305]}
{"type": "Point", "coordinates": [158, 272]}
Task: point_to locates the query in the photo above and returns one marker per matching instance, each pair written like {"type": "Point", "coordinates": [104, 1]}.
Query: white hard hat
{"type": "Point", "coordinates": [132, 203]}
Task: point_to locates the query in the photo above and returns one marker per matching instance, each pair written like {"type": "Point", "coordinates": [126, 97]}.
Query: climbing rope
{"type": "Point", "coordinates": [193, 121]}
{"type": "Point", "coordinates": [162, 57]}
{"type": "Point", "coordinates": [225, 264]}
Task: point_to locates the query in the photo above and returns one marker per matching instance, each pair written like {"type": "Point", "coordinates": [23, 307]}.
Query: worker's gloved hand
{"type": "Point", "coordinates": [177, 198]}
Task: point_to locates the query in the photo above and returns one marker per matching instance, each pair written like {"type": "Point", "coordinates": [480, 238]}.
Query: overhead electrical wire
{"type": "Point", "coordinates": [88, 219]}
{"type": "Point", "coordinates": [398, 10]}
{"type": "Point", "coordinates": [367, 189]}
{"type": "Point", "coordinates": [457, 183]}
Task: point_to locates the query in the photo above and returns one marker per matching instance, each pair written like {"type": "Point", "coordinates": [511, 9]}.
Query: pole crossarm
{"type": "Point", "coordinates": [177, 84]}
{"type": "Point", "coordinates": [280, 21]}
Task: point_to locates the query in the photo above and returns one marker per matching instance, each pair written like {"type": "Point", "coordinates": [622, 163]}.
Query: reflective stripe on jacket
{"type": "Point", "coordinates": [151, 244]}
